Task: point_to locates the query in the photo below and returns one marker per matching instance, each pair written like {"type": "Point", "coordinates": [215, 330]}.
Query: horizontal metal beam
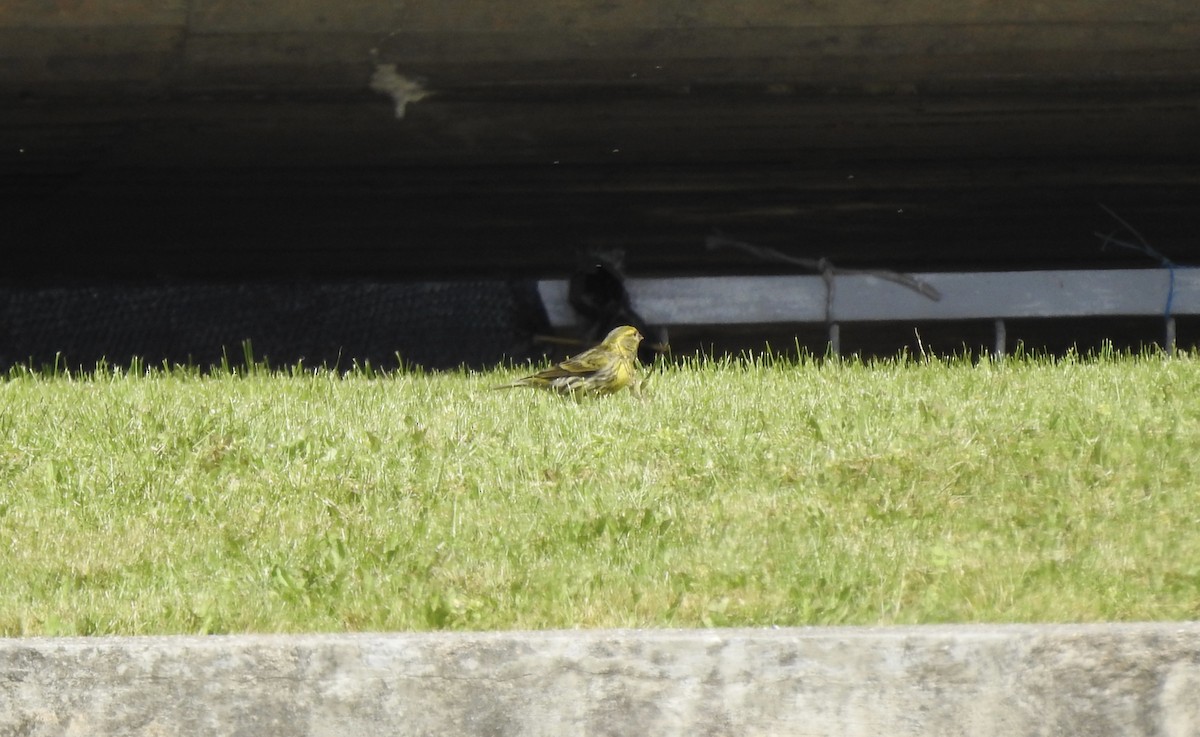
{"type": "Point", "coordinates": [862, 298]}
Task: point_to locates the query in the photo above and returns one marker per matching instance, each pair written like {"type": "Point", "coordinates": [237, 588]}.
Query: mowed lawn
{"type": "Point", "coordinates": [737, 492]}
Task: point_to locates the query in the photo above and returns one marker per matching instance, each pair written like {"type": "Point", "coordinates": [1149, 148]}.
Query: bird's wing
{"type": "Point", "coordinates": [588, 362]}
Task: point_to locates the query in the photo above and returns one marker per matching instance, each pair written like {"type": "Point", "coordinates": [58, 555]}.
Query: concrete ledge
{"type": "Point", "coordinates": [1123, 679]}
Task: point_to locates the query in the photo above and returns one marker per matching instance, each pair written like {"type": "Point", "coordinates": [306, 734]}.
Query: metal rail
{"type": "Point", "coordinates": [997, 296]}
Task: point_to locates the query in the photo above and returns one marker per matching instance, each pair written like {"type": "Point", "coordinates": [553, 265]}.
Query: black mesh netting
{"type": "Point", "coordinates": [428, 324]}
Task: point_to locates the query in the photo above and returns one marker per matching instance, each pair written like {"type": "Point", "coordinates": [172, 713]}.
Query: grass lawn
{"type": "Point", "coordinates": [732, 493]}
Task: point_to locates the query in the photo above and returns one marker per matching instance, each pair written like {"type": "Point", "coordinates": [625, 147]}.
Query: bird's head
{"type": "Point", "coordinates": [625, 339]}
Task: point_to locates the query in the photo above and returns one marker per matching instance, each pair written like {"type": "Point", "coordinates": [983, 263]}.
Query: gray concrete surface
{"type": "Point", "coordinates": [1093, 680]}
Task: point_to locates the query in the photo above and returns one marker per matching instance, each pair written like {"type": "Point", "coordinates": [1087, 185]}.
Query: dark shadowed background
{"type": "Point", "coordinates": [176, 177]}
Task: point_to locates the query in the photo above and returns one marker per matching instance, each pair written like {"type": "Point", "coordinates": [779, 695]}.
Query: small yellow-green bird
{"type": "Point", "coordinates": [607, 368]}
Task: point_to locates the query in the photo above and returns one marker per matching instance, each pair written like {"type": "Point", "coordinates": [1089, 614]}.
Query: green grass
{"type": "Point", "coordinates": [734, 493]}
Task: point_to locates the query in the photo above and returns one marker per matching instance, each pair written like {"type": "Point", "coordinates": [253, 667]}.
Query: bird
{"type": "Point", "coordinates": [604, 369]}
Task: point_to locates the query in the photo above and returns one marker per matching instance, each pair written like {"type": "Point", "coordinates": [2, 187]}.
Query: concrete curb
{"type": "Point", "coordinates": [1118, 679]}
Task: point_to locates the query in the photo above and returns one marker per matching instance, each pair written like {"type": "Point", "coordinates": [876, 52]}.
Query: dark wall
{"type": "Point", "coordinates": [369, 140]}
